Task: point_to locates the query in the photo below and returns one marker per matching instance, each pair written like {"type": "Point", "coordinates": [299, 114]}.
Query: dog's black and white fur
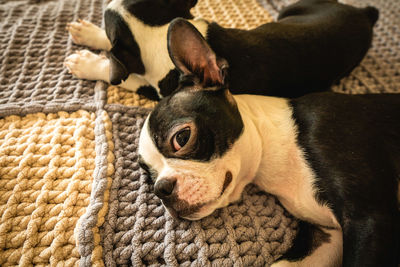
{"type": "Point", "coordinates": [332, 160]}
{"type": "Point", "coordinates": [313, 44]}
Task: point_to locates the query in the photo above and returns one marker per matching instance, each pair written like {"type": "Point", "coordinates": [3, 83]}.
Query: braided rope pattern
{"type": "Point", "coordinates": [118, 95]}
{"type": "Point", "coordinates": [33, 45]}
{"type": "Point", "coordinates": [89, 239]}
{"type": "Point", "coordinates": [243, 14]}
{"type": "Point", "coordinates": [139, 232]}
{"type": "Point", "coordinates": [46, 169]}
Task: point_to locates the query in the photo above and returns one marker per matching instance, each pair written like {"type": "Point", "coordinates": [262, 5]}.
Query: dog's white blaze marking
{"type": "Point", "coordinates": [152, 41]}
{"type": "Point", "coordinates": [326, 255]}
{"type": "Point", "coordinates": [283, 170]}
{"type": "Point", "coordinates": [148, 150]}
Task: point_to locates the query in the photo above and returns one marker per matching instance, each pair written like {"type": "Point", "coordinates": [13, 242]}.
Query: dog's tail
{"type": "Point", "coordinates": [372, 13]}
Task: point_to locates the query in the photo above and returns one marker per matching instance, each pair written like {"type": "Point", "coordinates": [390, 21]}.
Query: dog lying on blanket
{"type": "Point", "coordinates": [332, 160]}
{"type": "Point", "coordinates": [313, 44]}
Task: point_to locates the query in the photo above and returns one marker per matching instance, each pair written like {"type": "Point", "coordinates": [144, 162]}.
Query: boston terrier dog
{"type": "Point", "coordinates": [313, 44]}
{"type": "Point", "coordinates": [332, 160]}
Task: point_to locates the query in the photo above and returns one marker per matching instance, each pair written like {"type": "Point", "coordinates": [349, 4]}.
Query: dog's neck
{"type": "Point", "coordinates": [152, 41]}
{"type": "Point", "coordinates": [279, 160]}
{"type": "Point", "coordinates": [282, 169]}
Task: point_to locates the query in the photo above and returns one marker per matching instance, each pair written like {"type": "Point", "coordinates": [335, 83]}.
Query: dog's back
{"type": "Point", "coordinates": [313, 44]}
{"type": "Point", "coordinates": [355, 120]}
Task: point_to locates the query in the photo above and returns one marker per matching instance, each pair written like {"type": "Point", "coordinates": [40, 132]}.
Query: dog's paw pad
{"type": "Point", "coordinates": [85, 33]}
{"type": "Point", "coordinates": [87, 65]}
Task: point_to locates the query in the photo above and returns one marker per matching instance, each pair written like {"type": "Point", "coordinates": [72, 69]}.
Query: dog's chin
{"type": "Point", "coordinates": [198, 214]}
{"type": "Point", "coordinates": [180, 208]}
{"type": "Point", "coordinates": [201, 213]}
{"type": "Point", "coordinates": [193, 217]}
{"type": "Point", "coordinates": [198, 211]}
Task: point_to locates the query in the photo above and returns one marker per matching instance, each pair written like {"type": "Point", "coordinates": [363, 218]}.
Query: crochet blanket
{"type": "Point", "coordinates": [71, 191]}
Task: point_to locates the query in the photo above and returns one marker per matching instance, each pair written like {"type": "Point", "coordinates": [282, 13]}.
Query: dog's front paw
{"type": "Point", "coordinates": [87, 65]}
{"type": "Point", "coordinates": [85, 33]}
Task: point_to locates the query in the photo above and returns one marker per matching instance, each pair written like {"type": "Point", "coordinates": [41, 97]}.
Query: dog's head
{"type": "Point", "coordinates": [123, 15]}
{"type": "Point", "coordinates": [187, 144]}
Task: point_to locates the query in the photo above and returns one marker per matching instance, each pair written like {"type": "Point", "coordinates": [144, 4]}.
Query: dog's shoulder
{"type": "Point", "coordinates": [335, 110]}
{"type": "Point", "coordinates": [337, 133]}
{"type": "Point", "coordinates": [338, 121]}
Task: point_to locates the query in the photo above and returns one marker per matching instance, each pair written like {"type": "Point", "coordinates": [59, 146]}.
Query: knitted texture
{"type": "Point", "coordinates": [89, 239]}
{"type": "Point", "coordinates": [46, 166]}
{"type": "Point", "coordinates": [243, 14]}
{"type": "Point", "coordinates": [46, 190]}
{"type": "Point", "coordinates": [33, 45]}
{"type": "Point", "coordinates": [118, 95]}
{"type": "Point", "coordinates": [71, 192]}
{"type": "Point", "coordinates": [139, 232]}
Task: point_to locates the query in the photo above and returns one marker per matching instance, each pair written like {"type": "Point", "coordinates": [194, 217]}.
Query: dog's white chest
{"type": "Point", "coordinates": [294, 187]}
{"type": "Point", "coordinates": [304, 206]}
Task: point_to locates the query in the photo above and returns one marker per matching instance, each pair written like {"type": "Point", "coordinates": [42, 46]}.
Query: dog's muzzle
{"type": "Point", "coordinates": [165, 189]}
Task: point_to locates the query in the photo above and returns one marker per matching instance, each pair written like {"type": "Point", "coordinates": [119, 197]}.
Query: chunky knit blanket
{"type": "Point", "coordinates": [71, 191]}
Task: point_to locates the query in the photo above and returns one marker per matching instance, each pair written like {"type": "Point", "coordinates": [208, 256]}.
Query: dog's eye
{"type": "Point", "coordinates": [181, 138]}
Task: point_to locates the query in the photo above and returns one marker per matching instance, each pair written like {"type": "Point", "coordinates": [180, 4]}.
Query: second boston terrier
{"type": "Point", "coordinates": [332, 160]}
{"type": "Point", "coordinates": [313, 44]}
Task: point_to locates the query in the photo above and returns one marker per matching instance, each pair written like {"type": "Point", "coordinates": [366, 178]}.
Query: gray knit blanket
{"type": "Point", "coordinates": [71, 190]}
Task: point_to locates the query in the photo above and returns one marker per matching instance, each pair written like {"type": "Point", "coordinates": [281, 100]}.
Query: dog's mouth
{"type": "Point", "coordinates": [179, 208]}
{"type": "Point", "coordinates": [227, 182]}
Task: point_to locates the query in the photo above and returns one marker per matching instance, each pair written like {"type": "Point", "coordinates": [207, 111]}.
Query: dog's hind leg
{"type": "Point", "coordinates": [314, 247]}
{"type": "Point", "coordinates": [90, 66]}
{"type": "Point", "coordinates": [85, 33]}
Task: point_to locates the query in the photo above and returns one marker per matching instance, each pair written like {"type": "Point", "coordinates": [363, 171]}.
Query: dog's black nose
{"type": "Point", "coordinates": [164, 187]}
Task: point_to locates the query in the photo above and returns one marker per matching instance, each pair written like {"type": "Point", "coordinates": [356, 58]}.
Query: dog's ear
{"type": "Point", "coordinates": [191, 54]}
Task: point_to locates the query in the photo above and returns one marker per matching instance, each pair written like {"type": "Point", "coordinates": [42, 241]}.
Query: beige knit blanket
{"type": "Point", "coordinates": [71, 191]}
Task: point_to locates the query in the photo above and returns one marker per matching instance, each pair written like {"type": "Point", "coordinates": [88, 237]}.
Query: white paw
{"type": "Point", "coordinates": [85, 33]}
{"type": "Point", "coordinates": [87, 65]}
